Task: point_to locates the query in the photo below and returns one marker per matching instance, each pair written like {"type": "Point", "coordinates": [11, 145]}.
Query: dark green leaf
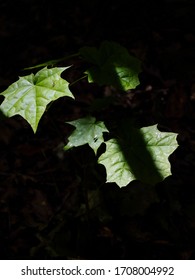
{"type": "Point", "coordinates": [112, 65]}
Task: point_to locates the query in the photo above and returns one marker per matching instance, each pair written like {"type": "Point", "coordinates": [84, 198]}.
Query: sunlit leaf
{"type": "Point", "coordinates": [29, 96]}
{"type": "Point", "coordinates": [88, 131]}
{"type": "Point", "coordinates": [142, 154]}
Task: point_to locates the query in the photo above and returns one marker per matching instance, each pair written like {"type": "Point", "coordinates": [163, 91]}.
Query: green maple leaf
{"type": "Point", "coordinates": [88, 131]}
{"type": "Point", "coordinates": [30, 95]}
{"type": "Point", "coordinates": [142, 154]}
{"type": "Point", "coordinates": [112, 65]}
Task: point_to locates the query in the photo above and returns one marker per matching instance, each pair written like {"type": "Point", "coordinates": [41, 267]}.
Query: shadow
{"type": "Point", "coordinates": [2, 116]}
{"type": "Point", "coordinates": [111, 64]}
{"type": "Point", "coordinates": [134, 148]}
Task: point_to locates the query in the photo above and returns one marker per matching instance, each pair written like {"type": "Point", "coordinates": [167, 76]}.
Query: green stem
{"type": "Point", "coordinates": [83, 77]}
{"type": "Point", "coordinates": [52, 62]}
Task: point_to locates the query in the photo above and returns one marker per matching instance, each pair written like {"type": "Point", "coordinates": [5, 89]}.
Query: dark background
{"type": "Point", "coordinates": [56, 205]}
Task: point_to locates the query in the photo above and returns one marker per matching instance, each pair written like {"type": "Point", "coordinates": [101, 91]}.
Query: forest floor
{"type": "Point", "coordinates": [55, 204]}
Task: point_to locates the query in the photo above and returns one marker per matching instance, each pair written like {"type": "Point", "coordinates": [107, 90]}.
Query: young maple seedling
{"type": "Point", "coordinates": [132, 154]}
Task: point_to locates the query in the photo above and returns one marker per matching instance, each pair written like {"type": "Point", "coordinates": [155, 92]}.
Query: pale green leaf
{"type": "Point", "coordinates": [88, 131]}
{"type": "Point", "coordinates": [142, 154]}
{"type": "Point", "coordinates": [112, 65]}
{"type": "Point", "coordinates": [30, 95]}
